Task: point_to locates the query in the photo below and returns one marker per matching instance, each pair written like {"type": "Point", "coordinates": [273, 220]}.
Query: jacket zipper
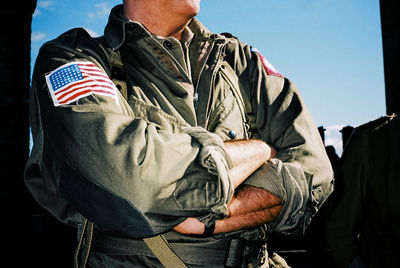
{"type": "Point", "coordinates": [212, 86]}
{"type": "Point", "coordinates": [196, 94]}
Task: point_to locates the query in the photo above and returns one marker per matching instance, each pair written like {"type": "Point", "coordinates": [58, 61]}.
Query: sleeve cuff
{"type": "Point", "coordinates": [214, 158]}
{"type": "Point", "coordinates": [287, 181]}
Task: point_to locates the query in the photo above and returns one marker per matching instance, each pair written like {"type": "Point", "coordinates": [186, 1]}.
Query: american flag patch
{"type": "Point", "coordinates": [76, 80]}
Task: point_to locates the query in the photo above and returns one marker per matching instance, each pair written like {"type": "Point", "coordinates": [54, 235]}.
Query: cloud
{"type": "Point", "coordinates": [38, 36]}
{"type": "Point", "coordinates": [37, 12]}
{"type": "Point", "coordinates": [101, 10]}
{"type": "Point", "coordinates": [333, 137]}
{"type": "Point", "coordinates": [47, 5]}
{"type": "Point", "coordinates": [92, 33]}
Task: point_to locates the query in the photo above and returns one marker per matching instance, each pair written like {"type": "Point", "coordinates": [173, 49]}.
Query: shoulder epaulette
{"type": "Point", "coordinates": [377, 122]}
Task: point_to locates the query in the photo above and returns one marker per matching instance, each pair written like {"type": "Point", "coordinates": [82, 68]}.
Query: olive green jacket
{"type": "Point", "coordinates": [140, 165]}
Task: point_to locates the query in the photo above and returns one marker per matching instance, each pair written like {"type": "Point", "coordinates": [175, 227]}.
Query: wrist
{"type": "Point", "coordinates": [209, 230]}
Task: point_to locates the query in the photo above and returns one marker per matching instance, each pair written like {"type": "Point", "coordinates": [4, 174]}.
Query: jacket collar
{"type": "Point", "coordinates": [117, 27]}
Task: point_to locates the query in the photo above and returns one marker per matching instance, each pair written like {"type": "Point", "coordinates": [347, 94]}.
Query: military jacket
{"type": "Point", "coordinates": [140, 165]}
{"type": "Point", "coordinates": [366, 213]}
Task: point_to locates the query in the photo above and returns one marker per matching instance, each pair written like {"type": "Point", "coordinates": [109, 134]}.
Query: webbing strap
{"type": "Point", "coordinates": [163, 251]}
{"type": "Point", "coordinates": [87, 233]}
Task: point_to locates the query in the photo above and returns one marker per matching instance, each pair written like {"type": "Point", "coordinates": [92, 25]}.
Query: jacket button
{"type": "Point", "coordinates": [167, 44]}
{"type": "Point", "coordinates": [232, 134]}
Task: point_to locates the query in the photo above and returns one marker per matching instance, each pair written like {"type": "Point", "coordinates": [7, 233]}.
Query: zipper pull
{"type": "Point", "coordinates": [195, 100]}
{"type": "Point", "coordinates": [246, 134]}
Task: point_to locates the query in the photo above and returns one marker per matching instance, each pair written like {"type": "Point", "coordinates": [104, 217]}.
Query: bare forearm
{"type": "Point", "coordinates": [247, 156]}
{"type": "Point", "coordinates": [249, 199]}
{"type": "Point", "coordinates": [250, 207]}
{"type": "Point", "coordinates": [248, 220]}
{"type": "Point", "coordinates": [245, 150]}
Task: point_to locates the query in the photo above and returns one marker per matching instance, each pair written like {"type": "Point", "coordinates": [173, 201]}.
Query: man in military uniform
{"type": "Point", "coordinates": [363, 229]}
{"type": "Point", "coordinates": [162, 129]}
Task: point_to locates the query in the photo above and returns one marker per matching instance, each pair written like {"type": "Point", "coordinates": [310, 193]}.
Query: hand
{"type": "Point", "coordinates": [190, 226]}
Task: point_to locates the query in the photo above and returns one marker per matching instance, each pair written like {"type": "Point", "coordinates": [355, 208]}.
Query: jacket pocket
{"type": "Point", "coordinates": [227, 114]}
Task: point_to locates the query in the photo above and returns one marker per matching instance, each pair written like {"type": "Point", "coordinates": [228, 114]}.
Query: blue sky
{"type": "Point", "coordinates": [331, 49]}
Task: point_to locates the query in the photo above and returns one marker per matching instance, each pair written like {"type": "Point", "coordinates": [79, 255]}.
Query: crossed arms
{"type": "Point", "coordinates": [250, 206]}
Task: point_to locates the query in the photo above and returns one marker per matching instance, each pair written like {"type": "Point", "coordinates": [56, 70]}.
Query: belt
{"type": "Point", "coordinates": [225, 252]}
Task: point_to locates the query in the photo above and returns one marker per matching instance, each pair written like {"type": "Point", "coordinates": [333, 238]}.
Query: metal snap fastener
{"type": "Point", "coordinates": [167, 44]}
{"type": "Point", "coordinates": [232, 134]}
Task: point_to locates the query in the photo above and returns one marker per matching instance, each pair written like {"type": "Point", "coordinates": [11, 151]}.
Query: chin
{"type": "Point", "coordinates": [192, 7]}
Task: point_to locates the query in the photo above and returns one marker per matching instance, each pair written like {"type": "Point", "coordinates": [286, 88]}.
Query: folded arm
{"type": "Point", "coordinates": [250, 206]}
{"type": "Point", "coordinates": [118, 163]}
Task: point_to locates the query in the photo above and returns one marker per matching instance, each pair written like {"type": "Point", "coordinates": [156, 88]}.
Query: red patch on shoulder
{"type": "Point", "coordinates": [267, 65]}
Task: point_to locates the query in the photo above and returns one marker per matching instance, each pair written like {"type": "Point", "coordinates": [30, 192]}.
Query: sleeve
{"type": "Point", "coordinates": [117, 169]}
{"type": "Point", "coordinates": [300, 174]}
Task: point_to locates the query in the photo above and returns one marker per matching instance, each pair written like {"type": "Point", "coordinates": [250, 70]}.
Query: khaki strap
{"type": "Point", "coordinates": [163, 251]}
{"type": "Point", "coordinates": [87, 230]}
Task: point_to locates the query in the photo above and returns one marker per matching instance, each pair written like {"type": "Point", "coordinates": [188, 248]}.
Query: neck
{"type": "Point", "coordinates": [159, 21]}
